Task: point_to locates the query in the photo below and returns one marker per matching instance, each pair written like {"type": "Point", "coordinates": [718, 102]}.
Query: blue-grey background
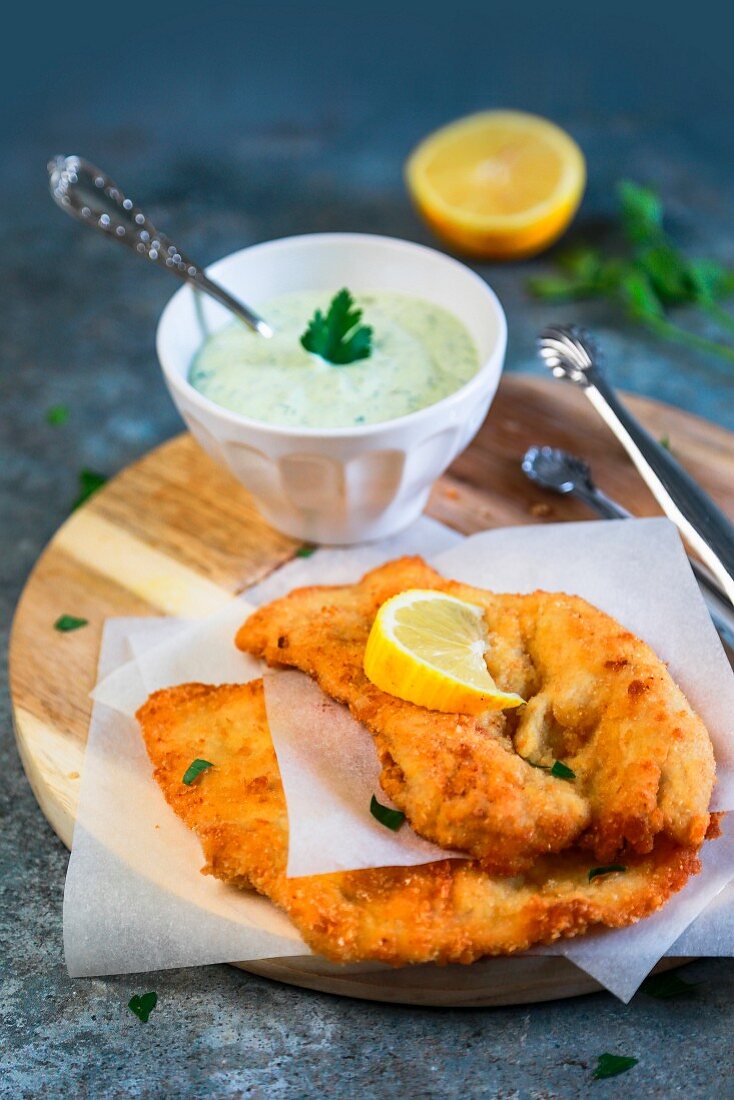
{"type": "Point", "coordinates": [233, 123]}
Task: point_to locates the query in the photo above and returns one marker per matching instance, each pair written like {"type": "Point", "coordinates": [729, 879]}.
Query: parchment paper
{"type": "Point", "coordinates": [134, 899]}
{"type": "Point", "coordinates": [330, 770]}
{"type": "Point", "coordinates": [634, 570]}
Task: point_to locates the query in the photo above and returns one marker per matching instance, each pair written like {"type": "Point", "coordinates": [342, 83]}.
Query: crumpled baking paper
{"type": "Point", "coordinates": [634, 570]}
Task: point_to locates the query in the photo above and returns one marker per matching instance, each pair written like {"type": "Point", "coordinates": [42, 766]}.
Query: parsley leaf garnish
{"type": "Point", "coordinates": [669, 984]}
{"type": "Point", "coordinates": [596, 871]}
{"type": "Point", "coordinates": [649, 278]}
{"type": "Point", "coordinates": [338, 336]}
{"type": "Point", "coordinates": [65, 623]}
{"type": "Point", "coordinates": [142, 1005]}
{"type": "Point", "coordinates": [391, 819]}
{"type": "Point", "coordinates": [664, 441]}
{"type": "Point", "coordinates": [89, 483]}
{"type": "Point", "coordinates": [610, 1065]}
{"type": "Point", "coordinates": [306, 551]}
{"type": "Point", "coordinates": [57, 415]}
{"type": "Point", "coordinates": [194, 770]}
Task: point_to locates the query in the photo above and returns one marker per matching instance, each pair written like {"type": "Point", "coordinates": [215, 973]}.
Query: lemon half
{"type": "Point", "coordinates": [428, 648]}
{"type": "Point", "coordinates": [499, 184]}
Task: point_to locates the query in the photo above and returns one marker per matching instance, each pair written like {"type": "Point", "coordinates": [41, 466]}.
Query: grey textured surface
{"type": "Point", "coordinates": [232, 127]}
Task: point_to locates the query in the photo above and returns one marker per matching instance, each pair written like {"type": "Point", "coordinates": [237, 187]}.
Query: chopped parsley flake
{"type": "Point", "coordinates": [667, 985]}
{"type": "Point", "coordinates": [391, 819]}
{"type": "Point", "coordinates": [141, 1005]}
{"type": "Point", "coordinates": [89, 483]}
{"type": "Point", "coordinates": [65, 623]}
{"type": "Point", "coordinates": [558, 769]}
{"type": "Point", "coordinates": [596, 871]}
{"type": "Point", "coordinates": [306, 551]}
{"type": "Point", "coordinates": [194, 770]}
{"type": "Point", "coordinates": [57, 415]}
{"type": "Point", "coordinates": [611, 1065]}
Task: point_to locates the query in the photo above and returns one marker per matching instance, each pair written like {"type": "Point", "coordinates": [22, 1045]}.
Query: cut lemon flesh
{"type": "Point", "coordinates": [499, 184]}
{"type": "Point", "coordinates": [427, 647]}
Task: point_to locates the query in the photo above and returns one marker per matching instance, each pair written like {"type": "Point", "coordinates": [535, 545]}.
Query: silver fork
{"type": "Point", "coordinates": [564, 473]}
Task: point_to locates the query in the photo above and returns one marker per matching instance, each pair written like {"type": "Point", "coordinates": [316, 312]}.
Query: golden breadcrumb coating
{"type": "Point", "coordinates": [598, 699]}
{"type": "Point", "coordinates": [450, 911]}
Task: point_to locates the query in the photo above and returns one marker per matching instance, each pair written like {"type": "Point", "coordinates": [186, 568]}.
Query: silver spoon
{"type": "Point", "coordinates": [571, 354]}
{"type": "Point", "coordinates": [564, 473]}
{"type": "Point", "coordinates": [87, 194]}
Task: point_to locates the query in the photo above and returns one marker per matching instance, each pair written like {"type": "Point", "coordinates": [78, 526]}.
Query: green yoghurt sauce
{"type": "Point", "coordinates": [420, 354]}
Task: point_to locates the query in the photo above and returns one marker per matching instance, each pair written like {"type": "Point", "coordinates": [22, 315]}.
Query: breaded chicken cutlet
{"type": "Point", "coordinates": [598, 699]}
{"type": "Point", "coordinates": [449, 911]}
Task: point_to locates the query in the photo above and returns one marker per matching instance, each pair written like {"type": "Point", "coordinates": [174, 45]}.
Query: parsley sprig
{"type": "Point", "coordinates": [649, 278]}
{"type": "Point", "coordinates": [338, 336]}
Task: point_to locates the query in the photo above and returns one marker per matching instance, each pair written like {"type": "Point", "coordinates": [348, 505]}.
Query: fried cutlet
{"type": "Point", "coordinates": [449, 911]}
{"type": "Point", "coordinates": [598, 699]}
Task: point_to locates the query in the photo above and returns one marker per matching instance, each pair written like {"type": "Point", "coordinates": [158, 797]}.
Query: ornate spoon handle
{"type": "Point", "coordinates": [89, 195]}
{"type": "Point", "coordinates": [571, 354]}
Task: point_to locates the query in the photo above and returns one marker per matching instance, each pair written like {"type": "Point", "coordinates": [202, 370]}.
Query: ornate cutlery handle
{"type": "Point", "coordinates": [89, 195]}
{"type": "Point", "coordinates": [570, 354]}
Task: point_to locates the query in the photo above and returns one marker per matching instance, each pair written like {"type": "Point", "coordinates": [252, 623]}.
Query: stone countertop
{"type": "Point", "coordinates": [240, 137]}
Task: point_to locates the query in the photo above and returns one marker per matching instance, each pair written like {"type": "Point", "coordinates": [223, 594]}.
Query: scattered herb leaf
{"type": "Point", "coordinates": [611, 1065]}
{"type": "Point", "coordinates": [596, 871]}
{"type": "Point", "coordinates": [89, 483]}
{"type": "Point", "coordinates": [57, 415]}
{"type": "Point", "coordinates": [664, 441]}
{"type": "Point", "coordinates": [194, 770]}
{"type": "Point", "coordinates": [641, 213]}
{"type": "Point", "coordinates": [65, 623]}
{"type": "Point", "coordinates": [142, 1005]}
{"type": "Point", "coordinates": [338, 336]}
{"type": "Point", "coordinates": [391, 819]}
{"type": "Point", "coordinates": [649, 278]}
{"type": "Point", "coordinates": [667, 985]}
{"type": "Point", "coordinates": [562, 771]}
{"type": "Point", "coordinates": [306, 551]}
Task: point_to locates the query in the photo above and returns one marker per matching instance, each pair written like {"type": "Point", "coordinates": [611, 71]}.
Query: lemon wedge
{"type": "Point", "coordinates": [499, 184]}
{"type": "Point", "coordinates": [428, 648]}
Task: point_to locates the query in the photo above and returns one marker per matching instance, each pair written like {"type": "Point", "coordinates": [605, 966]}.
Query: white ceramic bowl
{"type": "Point", "coordinates": [338, 485]}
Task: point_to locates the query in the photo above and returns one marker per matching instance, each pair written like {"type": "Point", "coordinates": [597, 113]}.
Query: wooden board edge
{"type": "Point", "coordinates": [537, 979]}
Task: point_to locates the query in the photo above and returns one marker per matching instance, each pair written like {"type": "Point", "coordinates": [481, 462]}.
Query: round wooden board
{"type": "Point", "coordinates": [174, 534]}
